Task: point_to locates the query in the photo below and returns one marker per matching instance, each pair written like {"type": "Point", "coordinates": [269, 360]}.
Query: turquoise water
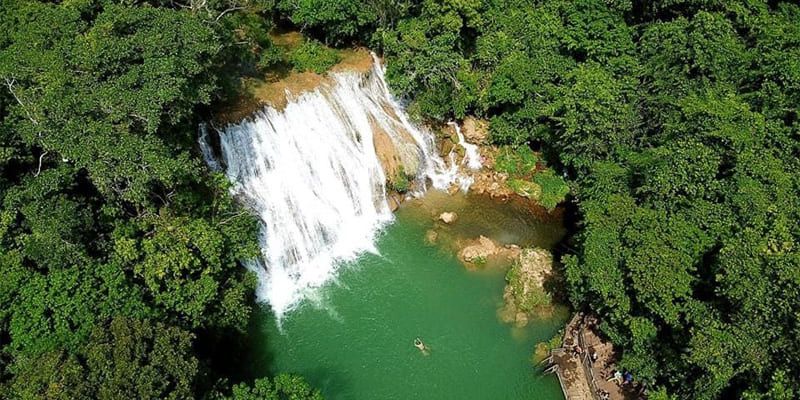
{"type": "Point", "coordinates": [354, 340]}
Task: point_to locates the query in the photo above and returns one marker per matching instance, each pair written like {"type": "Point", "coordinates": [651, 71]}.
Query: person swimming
{"type": "Point", "coordinates": [421, 346]}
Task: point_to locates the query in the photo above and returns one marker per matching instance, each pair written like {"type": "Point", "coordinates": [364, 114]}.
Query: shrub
{"type": "Point", "coordinates": [399, 182]}
{"type": "Point", "coordinates": [516, 161]}
{"type": "Point", "coordinates": [553, 188]}
{"type": "Point", "coordinates": [313, 56]}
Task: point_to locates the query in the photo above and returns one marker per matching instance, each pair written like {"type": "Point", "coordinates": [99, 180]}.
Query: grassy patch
{"type": "Point", "coordinates": [525, 188]}
{"type": "Point", "coordinates": [526, 302]}
{"type": "Point", "coordinates": [554, 189]}
{"type": "Point", "coordinates": [529, 177]}
{"type": "Point", "coordinates": [313, 56]}
{"type": "Point", "coordinates": [516, 161]}
{"type": "Point", "coordinates": [399, 182]}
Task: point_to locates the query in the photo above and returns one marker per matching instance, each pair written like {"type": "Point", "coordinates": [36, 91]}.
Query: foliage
{"type": "Point", "coordinates": [516, 161]}
{"type": "Point", "coordinates": [340, 20]}
{"type": "Point", "coordinates": [283, 386]}
{"type": "Point", "coordinates": [313, 56]}
{"type": "Point", "coordinates": [525, 301]}
{"type": "Point", "coordinates": [128, 359]}
{"type": "Point", "coordinates": [399, 181]}
{"type": "Point", "coordinates": [553, 187]}
{"type": "Point", "coordinates": [529, 177]}
{"type": "Point", "coordinates": [676, 123]}
{"type": "Point", "coordinates": [119, 251]}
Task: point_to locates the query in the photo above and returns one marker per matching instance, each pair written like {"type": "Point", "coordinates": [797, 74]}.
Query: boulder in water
{"type": "Point", "coordinates": [479, 251]}
{"type": "Point", "coordinates": [448, 217]}
{"type": "Point", "coordinates": [524, 294]}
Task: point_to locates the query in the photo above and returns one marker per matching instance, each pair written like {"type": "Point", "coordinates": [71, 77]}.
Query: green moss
{"type": "Point", "coordinates": [526, 302]}
{"type": "Point", "coordinates": [529, 178]}
{"type": "Point", "coordinates": [313, 56]}
{"type": "Point", "coordinates": [516, 161]}
{"type": "Point", "coordinates": [525, 188]}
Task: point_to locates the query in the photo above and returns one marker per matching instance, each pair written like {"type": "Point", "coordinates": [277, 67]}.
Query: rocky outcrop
{"type": "Point", "coordinates": [525, 293]}
{"type": "Point", "coordinates": [479, 251]}
{"type": "Point", "coordinates": [475, 130]}
{"type": "Point", "coordinates": [491, 183]}
{"type": "Point", "coordinates": [388, 155]}
{"type": "Point", "coordinates": [394, 200]}
{"type": "Point", "coordinates": [483, 250]}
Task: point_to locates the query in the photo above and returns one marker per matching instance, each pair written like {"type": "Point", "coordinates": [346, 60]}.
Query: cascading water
{"type": "Point", "coordinates": [312, 175]}
{"type": "Point", "coordinates": [472, 156]}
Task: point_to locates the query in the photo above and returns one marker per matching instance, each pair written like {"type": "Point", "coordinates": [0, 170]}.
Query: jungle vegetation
{"type": "Point", "coordinates": [119, 251]}
{"type": "Point", "coordinates": [675, 123]}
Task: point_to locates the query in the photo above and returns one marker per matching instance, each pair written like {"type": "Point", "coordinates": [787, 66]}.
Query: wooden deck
{"type": "Point", "coordinates": [580, 378]}
{"type": "Point", "coordinates": [571, 376]}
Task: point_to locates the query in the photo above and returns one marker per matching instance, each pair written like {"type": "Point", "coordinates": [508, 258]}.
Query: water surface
{"type": "Point", "coordinates": [353, 340]}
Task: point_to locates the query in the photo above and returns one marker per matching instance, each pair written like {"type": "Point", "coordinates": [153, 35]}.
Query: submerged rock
{"type": "Point", "coordinates": [431, 236]}
{"type": "Point", "coordinates": [479, 251]}
{"type": "Point", "coordinates": [448, 217]}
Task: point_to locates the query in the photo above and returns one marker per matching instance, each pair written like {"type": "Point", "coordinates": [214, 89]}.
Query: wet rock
{"type": "Point", "coordinates": [448, 217]}
{"type": "Point", "coordinates": [479, 251]}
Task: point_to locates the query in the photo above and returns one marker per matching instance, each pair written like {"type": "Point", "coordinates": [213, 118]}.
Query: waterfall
{"type": "Point", "coordinates": [206, 150]}
{"type": "Point", "coordinates": [311, 174]}
{"type": "Point", "coordinates": [472, 156]}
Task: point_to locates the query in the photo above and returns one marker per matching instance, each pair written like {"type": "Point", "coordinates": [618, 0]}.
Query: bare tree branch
{"type": "Point", "coordinates": [10, 82]}
{"type": "Point", "coordinates": [234, 8]}
{"type": "Point", "coordinates": [39, 170]}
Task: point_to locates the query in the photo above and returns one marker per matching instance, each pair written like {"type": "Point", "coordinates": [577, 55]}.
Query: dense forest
{"type": "Point", "coordinates": [674, 121]}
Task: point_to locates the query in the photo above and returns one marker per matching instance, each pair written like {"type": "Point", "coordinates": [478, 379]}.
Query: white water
{"type": "Point", "coordinates": [311, 174]}
{"type": "Point", "coordinates": [205, 148]}
{"type": "Point", "coordinates": [472, 156]}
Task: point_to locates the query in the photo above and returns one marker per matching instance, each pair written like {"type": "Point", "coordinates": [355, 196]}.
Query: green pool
{"type": "Point", "coordinates": [354, 340]}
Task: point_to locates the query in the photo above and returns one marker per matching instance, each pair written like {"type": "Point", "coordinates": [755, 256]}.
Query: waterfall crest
{"type": "Point", "coordinates": [311, 174]}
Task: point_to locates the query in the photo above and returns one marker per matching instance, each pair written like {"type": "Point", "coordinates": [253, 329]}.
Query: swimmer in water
{"type": "Point", "coordinates": [421, 346]}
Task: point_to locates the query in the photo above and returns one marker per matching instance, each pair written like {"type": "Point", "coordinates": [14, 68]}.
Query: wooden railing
{"type": "Point", "coordinates": [585, 360]}
{"type": "Point", "coordinates": [559, 374]}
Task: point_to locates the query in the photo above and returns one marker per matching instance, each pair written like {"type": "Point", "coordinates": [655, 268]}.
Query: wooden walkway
{"type": "Point", "coordinates": [580, 378]}
{"type": "Point", "coordinates": [571, 376]}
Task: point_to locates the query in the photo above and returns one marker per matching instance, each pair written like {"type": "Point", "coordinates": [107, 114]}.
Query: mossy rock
{"type": "Point", "coordinates": [525, 188]}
